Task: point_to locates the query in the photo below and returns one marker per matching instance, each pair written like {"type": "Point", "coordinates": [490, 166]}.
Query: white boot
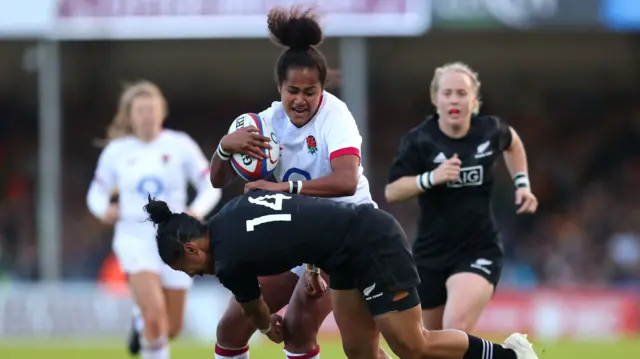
{"type": "Point", "coordinates": [521, 345]}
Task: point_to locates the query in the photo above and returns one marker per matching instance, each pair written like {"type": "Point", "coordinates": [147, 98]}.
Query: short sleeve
{"type": "Point", "coordinates": [243, 285]}
{"type": "Point", "coordinates": [342, 134]}
{"type": "Point", "coordinates": [407, 160]}
{"type": "Point", "coordinates": [105, 175]}
{"type": "Point", "coordinates": [267, 115]}
{"type": "Point", "coordinates": [504, 134]}
{"type": "Point", "coordinates": [196, 164]}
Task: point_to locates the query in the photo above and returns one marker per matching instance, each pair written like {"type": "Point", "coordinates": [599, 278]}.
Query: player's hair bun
{"type": "Point", "coordinates": [295, 29]}
{"type": "Point", "coordinates": [159, 211]}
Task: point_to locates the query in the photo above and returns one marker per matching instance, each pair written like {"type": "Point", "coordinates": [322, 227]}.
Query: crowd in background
{"type": "Point", "coordinates": [584, 157]}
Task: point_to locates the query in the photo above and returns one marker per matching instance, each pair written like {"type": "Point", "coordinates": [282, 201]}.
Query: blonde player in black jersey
{"type": "Point", "coordinates": [447, 163]}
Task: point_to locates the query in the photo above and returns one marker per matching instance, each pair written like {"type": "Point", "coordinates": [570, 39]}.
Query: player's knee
{"type": "Point", "coordinates": [175, 328]}
{"type": "Point", "coordinates": [234, 330]}
{"type": "Point", "coordinates": [414, 349]}
{"type": "Point", "coordinates": [301, 333]}
{"type": "Point", "coordinates": [461, 321]}
{"type": "Point", "coordinates": [155, 323]}
{"type": "Point", "coordinates": [362, 344]}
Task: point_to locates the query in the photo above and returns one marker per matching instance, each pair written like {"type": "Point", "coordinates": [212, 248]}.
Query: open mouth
{"type": "Point", "coordinates": [454, 111]}
{"type": "Point", "coordinates": [299, 110]}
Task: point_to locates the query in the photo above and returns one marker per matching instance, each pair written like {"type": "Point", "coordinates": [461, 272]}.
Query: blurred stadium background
{"type": "Point", "coordinates": [564, 73]}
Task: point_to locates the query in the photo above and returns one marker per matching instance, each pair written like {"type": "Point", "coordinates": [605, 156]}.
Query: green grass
{"type": "Point", "coordinates": [330, 350]}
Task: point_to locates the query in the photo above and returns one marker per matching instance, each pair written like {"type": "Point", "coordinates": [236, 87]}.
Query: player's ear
{"type": "Point", "coordinates": [190, 249]}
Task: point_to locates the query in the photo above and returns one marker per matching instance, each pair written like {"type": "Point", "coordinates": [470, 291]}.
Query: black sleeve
{"type": "Point", "coordinates": [242, 284]}
{"type": "Point", "coordinates": [504, 134]}
{"type": "Point", "coordinates": [407, 160]}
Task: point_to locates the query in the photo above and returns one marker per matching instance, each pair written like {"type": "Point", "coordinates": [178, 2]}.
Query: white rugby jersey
{"type": "Point", "coordinates": [161, 168]}
{"type": "Point", "coordinates": [306, 152]}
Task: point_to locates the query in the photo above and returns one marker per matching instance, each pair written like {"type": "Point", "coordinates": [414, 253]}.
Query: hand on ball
{"type": "Point", "coordinates": [248, 141]}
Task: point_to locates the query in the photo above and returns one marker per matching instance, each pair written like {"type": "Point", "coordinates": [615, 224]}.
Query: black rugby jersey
{"type": "Point", "coordinates": [266, 233]}
{"type": "Point", "coordinates": [455, 217]}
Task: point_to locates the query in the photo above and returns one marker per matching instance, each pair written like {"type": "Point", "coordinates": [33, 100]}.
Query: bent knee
{"type": "Point", "coordinates": [234, 330]}
{"type": "Point", "coordinates": [175, 329]}
{"type": "Point", "coordinates": [415, 349]}
{"type": "Point", "coordinates": [301, 333]}
{"type": "Point", "coordinates": [155, 324]}
{"type": "Point", "coordinates": [461, 321]}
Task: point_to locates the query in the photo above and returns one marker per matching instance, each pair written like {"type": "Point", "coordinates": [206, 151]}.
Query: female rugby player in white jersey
{"type": "Point", "coordinates": [320, 156]}
{"type": "Point", "coordinates": [142, 158]}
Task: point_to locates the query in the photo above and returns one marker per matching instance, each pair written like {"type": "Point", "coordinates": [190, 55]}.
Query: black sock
{"type": "Point", "coordinates": [482, 349]}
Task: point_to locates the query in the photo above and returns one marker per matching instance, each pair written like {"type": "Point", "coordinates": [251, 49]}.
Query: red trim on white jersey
{"type": "Point", "coordinates": [205, 172]}
{"type": "Point", "coordinates": [344, 152]}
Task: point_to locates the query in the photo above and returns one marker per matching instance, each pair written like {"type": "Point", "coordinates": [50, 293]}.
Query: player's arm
{"type": "Point", "coordinates": [197, 169]}
{"type": "Point", "coordinates": [342, 181]}
{"type": "Point", "coordinates": [246, 290]}
{"type": "Point", "coordinates": [343, 142]}
{"type": "Point", "coordinates": [222, 173]}
{"type": "Point", "coordinates": [405, 172]}
{"type": "Point", "coordinates": [515, 156]}
{"type": "Point", "coordinates": [102, 186]}
{"type": "Point", "coordinates": [513, 152]}
{"type": "Point", "coordinates": [258, 312]}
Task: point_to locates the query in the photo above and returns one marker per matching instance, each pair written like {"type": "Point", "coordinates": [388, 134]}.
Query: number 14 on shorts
{"type": "Point", "coordinates": [276, 205]}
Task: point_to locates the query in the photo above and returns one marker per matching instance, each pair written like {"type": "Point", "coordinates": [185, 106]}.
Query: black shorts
{"type": "Point", "coordinates": [381, 265]}
{"type": "Point", "coordinates": [432, 290]}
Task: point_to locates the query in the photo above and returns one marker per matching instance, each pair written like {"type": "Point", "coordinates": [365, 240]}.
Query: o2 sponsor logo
{"type": "Point", "coordinates": [296, 174]}
{"type": "Point", "coordinates": [469, 176]}
{"type": "Point", "coordinates": [150, 186]}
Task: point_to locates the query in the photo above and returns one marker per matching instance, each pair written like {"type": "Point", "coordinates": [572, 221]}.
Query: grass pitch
{"type": "Point", "coordinates": [331, 349]}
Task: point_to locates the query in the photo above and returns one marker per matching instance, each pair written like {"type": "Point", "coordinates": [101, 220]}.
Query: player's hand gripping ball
{"type": "Point", "coordinates": [244, 161]}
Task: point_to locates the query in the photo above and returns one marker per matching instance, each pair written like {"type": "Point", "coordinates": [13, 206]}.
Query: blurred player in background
{"type": "Point", "coordinates": [447, 162]}
{"type": "Point", "coordinates": [265, 233]}
{"type": "Point", "coordinates": [320, 157]}
{"type": "Point", "coordinates": [142, 158]}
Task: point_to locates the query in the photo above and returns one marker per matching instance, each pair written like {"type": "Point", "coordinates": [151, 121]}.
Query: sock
{"type": "Point", "coordinates": [314, 354]}
{"type": "Point", "coordinates": [138, 321]}
{"type": "Point", "coordinates": [159, 349]}
{"type": "Point", "coordinates": [482, 349]}
{"type": "Point", "coordinates": [231, 353]}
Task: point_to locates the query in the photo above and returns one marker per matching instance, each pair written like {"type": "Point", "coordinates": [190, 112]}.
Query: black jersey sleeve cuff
{"type": "Point", "coordinates": [242, 285]}
{"type": "Point", "coordinates": [248, 296]}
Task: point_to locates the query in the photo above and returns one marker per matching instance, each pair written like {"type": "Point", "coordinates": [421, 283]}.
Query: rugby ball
{"type": "Point", "coordinates": [247, 167]}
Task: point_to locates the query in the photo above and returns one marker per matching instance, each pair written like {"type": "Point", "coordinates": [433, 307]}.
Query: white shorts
{"type": "Point", "coordinates": [134, 244]}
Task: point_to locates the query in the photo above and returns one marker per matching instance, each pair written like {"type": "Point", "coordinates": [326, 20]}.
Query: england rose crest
{"type": "Point", "coordinates": [312, 147]}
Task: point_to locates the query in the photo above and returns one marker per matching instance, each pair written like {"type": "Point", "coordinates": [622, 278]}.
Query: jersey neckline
{"type": "Point", "coordinates": [436, 119]}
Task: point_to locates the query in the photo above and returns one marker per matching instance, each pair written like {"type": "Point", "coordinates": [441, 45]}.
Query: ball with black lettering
{"type": "Point", "coordinates": [247, 167]}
